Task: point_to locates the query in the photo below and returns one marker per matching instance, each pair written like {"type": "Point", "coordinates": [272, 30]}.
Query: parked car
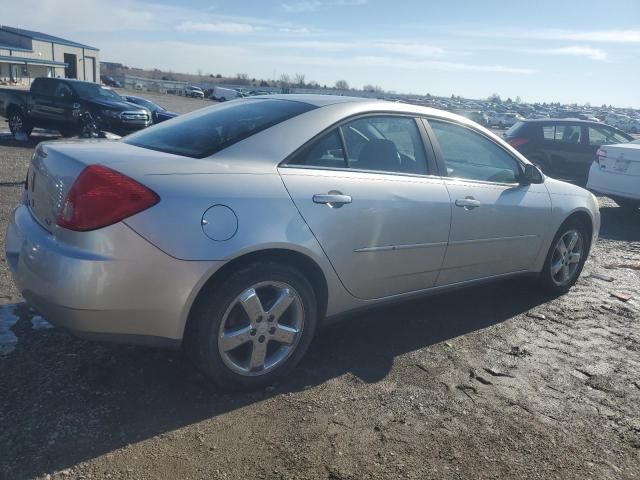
{"type": "Point", "coordinates": [193, 92]}
{"type": "Point", "coordinates": [225, 229]}
{"type": "Point", "coordinates": [61, 104]}
{"type": "Point", "coordinates": [504, 120]}
{"type": "Point", "coordinates": [562, 146]}
{"type": "Point", "coordinates": [616, 173]}
{"type": "Point", "coordinates": [158, 113]}
{"type": "Point", "coordinates": [110, 82]}
{"type": "Point", "coordinates": [476, 116]}
{"type": "Point", "coordinates": [223, 94]}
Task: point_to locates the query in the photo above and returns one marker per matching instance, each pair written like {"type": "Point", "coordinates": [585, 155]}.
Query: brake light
{"type": "Point", "coordinates": [600, 153]}
{"type": "Point", "coordinates": [516, 142]}
{"type": "Point", "coordinates": [100, 197]}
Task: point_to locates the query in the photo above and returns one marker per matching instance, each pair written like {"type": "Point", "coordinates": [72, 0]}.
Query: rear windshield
{"type": "Point", "coordinates": [207, 131]}
{"type": "Point", "coordinates": [516, 126]}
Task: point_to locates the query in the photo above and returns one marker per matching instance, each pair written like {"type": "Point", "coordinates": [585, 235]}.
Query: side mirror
{"type": "Point", "coordinates": [532, 175]}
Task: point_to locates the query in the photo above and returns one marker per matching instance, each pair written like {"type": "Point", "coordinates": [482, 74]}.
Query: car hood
{"type": "Point", "coordinates": [117, 105]}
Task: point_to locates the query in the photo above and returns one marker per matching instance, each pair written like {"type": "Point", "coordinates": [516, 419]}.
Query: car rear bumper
{"type": "Point", "coordinates": [143, 296]}
{"type": "Point", "coordinates": [613, 183]}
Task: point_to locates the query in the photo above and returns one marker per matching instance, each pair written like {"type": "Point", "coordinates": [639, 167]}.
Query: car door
{"type": "Point", "coordinates": [497, 224]}
{"type": "Point", "coordinates": [63, 106]}
{"type": "Point", "coordinates": [365, 191]}
{"type": "Point", "coordinates": [567, 148]}
{"type": "Point", "coordinates": [41, 107]}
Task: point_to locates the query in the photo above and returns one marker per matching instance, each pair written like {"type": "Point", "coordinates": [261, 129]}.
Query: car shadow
{"type": "Point", "coordinates": [9, 140]}
{"type": "Point", "coordinates": [64, 391]}
{"type": "Point", "coordinates": [619, 223]}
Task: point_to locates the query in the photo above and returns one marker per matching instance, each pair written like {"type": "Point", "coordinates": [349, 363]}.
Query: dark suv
{"type": "Point", "coordinates": [563, 147]}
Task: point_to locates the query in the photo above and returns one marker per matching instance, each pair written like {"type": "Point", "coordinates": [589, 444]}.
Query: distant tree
{"type": "Point", "coordinates": [199, 72]}
{"type": "Point", "coordinates": [509, 100]}
{"type": "Point", "coordinates": [218, 75]}
{"type": "Point", "coordinates": [242, 79]}
{"type": "Point", "coordinates": [453, 97]}
{"type": "Point", "coordinates": [285, 80]}
{"type": "Point", "coordinates": [264, 84]}
{"type": "Point", "coordinates": [518, 99]}
{"type": "Point", "coordinates": [587, 104]}
{"type": "Point", "coordinates": [428, 95]}
{"type": "Point", "coordinates": [342, 85]}
{"type": "Point", "coordinates": [299, 79]}
{"type": "Point", "coordinates": [313, 84]}
{"type": "Point", "coordinates": [494, 98]}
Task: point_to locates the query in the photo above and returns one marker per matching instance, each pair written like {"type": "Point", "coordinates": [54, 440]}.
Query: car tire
{"type": "Point", "coordinates": [562, 268]}
{"type": "Point", "coordinates": [224, 340]}
{"type": "Point", "coordinates": [223, 99]}
{"type": "Point", "coordinates": [18, 123]}
{"type": "Point", "coordinates": [627, 203]}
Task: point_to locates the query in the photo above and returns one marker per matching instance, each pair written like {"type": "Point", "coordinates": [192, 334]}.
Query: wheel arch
{"type": "Point", "coordinates": [309, 267]}
{"type": "Point", "coordinates": [584, 218]}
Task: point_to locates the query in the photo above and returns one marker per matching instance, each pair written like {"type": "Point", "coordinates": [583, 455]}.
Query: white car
{"type": "Point", "coordinates": [193, 92]}
{"type": "Point", "coordinates": [223, 94]}
{"type": "Point", "coordinates": [505, 120]}
{"type": "Point", "coordinates": [616, 173]}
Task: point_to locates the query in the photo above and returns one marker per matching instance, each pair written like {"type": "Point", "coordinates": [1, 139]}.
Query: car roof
{"type": "Point", "coordinates": [561, 120]}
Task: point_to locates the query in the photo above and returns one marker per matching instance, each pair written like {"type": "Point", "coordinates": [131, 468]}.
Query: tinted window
{"type": "Point", "coordinates": [204, 132]}
{"type": "Point", "coordinates": [469, 155]}
{"type": "Point", "coordinates": [384, 143]}
{"type": "Point", "coordinates": [42, 86]}
{"type": "Point", "coordinates": [63, 91]}
{"type": "Point", "coordinates": [326, 152]}
{"type": "Point", "coordinates": [549, 132]}
{"type": "Point", "coordinates": [605, 136]}
{"type": "Point", "coordinates": [93, 91]}
{"type": "Point", "coordinates": [514, 130]}
{"type": "Point", "coordinates": [568, 133]}
{"type": "Point", "coordinates": [378, 143]}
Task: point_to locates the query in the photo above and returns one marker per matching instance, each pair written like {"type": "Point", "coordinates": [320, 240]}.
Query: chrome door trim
{"type": "Point", "coordinates": [496, 239]}
{"type": "Point", "coordinates": [386, 248]}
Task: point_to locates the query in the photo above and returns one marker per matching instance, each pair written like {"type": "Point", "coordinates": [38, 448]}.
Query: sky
{"type": "Point", "coordinates": [563, 50]}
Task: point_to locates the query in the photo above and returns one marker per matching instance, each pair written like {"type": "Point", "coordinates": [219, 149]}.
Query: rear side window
{"type": "Point", "coordinates": [512, 131]}
{"type": "Point", "coordinates": [44, 87]}
{"type": "Point", "coordinates": [207, 131]}
{"type": "Point", "coordinates": [605, 136]}
{"type": "Point", "coordinates": [375, 143]}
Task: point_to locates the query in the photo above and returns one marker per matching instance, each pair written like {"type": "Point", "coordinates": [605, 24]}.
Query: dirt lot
{"type": "Point", "coordinates": [492, 382]}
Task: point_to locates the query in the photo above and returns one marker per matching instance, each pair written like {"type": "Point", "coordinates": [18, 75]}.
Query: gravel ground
{"type": "Point", "coordinates": [492, 382]}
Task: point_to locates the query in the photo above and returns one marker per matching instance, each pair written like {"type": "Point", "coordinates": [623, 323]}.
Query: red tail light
{"type": "Point", "coordinates": [100, 197]}
{"type": "Point", "coordinates": [600, 153]}
{"type": "Point", "coordinates": [516, 142]}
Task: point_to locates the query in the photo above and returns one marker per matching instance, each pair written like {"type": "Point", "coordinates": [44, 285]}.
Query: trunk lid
{"type": "Point", "coordinates": [56, 165]}
{"type": "Point", "coordinates": [622, 158]}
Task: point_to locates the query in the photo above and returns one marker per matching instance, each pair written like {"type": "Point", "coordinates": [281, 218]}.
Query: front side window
{"type": "Point", "coordinates": [376, 143]}
{"type": "Point", "coordinates": [63, 91]}
{"type": "Point", "coordinates": [209, 130]}
{"type": "Point", "coordinates": [605, 136]}
{"type": "Point", "coordinates": [469, 155]}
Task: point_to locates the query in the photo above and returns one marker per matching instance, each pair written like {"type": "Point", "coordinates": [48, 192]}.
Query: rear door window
{"type": "Point", "coordinates": [207, 131]}
{"type": "Point", "coordinates": [568, 133]}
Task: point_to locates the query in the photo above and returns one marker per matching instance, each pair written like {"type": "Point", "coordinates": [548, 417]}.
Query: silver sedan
{"type": "Point", "coordinates": [236, 230]}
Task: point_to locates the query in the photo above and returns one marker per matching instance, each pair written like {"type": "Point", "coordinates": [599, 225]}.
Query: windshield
{"type": "Point", "coordinates": [207, 131]}
{"type": "Point", "coordinates": [93, 91]}
{"type": "Point", "coordinates": [147, 104]}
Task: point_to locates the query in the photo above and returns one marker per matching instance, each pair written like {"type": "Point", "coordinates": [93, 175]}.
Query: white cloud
{"type": "Point", "coordinates": [305, 6]}
{"type": "Point", "coordinates": [574, 50]}
{"type": "Point", "coordinates": [216, 27]}
{"type": "Point", "coordinates": [594, 36]}
{"type": "Point", "coordinates": [588, 52]}
{"type": "Point", "coordinates": [418, 50]}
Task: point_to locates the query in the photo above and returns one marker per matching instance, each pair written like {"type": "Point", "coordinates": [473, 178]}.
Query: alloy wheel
{"type": "Point", "coordinates": [16, 124]}
{"type": "Point", "coordinates": [566, 258]}
{"type": "Point", "coordinates": [261, 328]}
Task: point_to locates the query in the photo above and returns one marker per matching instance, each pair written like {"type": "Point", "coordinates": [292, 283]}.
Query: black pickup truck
{"type": "Point", "coordinates": [63, 105]}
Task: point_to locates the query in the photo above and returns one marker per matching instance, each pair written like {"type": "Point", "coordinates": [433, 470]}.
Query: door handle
{"type": "Point", "coordinates": [469, 203]}
{"type": "Point", "coordinates": [332, 199]}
